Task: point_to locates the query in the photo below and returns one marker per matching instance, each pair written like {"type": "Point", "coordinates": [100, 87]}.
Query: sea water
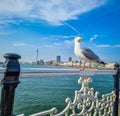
{"type": "Point", "coordinates": [38, 94]}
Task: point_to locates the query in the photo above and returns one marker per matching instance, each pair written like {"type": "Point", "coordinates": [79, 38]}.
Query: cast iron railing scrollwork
{"type": "Point", "coordinates": [85, 103]}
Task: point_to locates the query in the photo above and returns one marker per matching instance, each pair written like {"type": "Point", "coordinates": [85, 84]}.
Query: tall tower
{"type": "Point", "coordinates": [37, 51]}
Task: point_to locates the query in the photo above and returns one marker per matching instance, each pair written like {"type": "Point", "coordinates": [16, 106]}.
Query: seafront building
{"type": "Point", "coordinates": [58, 58]}
{"type": "Point", "coordinates": [1, 62]}
{"type": "Point", "coordinates": [70, 59]}
{"type": "Point", "coordinates": [71, 63]}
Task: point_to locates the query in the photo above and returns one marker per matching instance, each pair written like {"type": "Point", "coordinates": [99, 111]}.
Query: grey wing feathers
{"type": "Point", "coordinates": [90, 54]}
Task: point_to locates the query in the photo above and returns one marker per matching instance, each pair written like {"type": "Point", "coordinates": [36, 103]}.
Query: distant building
{"type": "Point", "coordinates": [70, 64]}
{"type": "Point", "coordinates": [55, 63]}
{"type": "Point", "coordinates": [48, 63]}
{"type": "Point", "coordinates": [70, 59]}
{"type": "Point", "coordinates": [41, 62]}
{"type": "Point", "coordinates": [1, 62]}
{"type": "Point", "coordinates": [58, 58]}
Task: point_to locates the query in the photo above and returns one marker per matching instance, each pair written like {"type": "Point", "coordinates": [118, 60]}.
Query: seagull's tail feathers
{"type": "Point", "coordinates": [101, 62]}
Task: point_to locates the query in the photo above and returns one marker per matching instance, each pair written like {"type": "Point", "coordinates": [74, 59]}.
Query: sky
{"type": "Point", "coordinates": [51, 25]}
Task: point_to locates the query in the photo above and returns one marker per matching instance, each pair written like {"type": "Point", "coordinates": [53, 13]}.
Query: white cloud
{"type": "Point", "coordinates": [94, 37]}
{"type": "Point", "coordinates": [54, 45]}
{"type": "Point", "coordinates": [48, 46]}
{"type": "Point", "coordinates": [52, 11]}
{"type": "Point", "coordinates": [4, 23]}
{"type": "Point", "coordinates": [68, 43]}
{"type": "Point", "coordinates": [62, 44]}
{"type": "Point", "coordinates": [62, 36]}
{"type": "Point", "coordinates": [103, 46]}
{"type": "Point", "coordinates": [57, 44]}
{"type": "Point", "coordinates": [19, 44]}
{"type": "Point", "coordinates": [107, 45]}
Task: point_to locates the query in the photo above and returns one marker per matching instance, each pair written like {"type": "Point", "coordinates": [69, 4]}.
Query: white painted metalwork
{"type": "Point", "coordinates": [85, 103]}
{"type": "Point", "coordinates": [51, 72]}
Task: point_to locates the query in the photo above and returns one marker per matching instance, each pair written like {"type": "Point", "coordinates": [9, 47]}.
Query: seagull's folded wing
{"type": "Point", "coordinates": [89, 54]}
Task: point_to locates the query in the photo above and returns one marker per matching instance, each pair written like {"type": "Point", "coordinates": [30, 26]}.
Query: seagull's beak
{"type": "Point", "coordinates": [79, 39]}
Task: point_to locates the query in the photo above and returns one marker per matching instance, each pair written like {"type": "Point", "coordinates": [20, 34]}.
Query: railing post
{"type": "Point", "coordinates": [9, 83]}
{"type": "Point", "coordinates": [116, 89]}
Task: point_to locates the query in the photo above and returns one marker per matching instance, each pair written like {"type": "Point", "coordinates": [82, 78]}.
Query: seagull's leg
{"type": "Point", "coordinates": [89, 65]}
{"type": "Point", "coordinates": [83, 66]}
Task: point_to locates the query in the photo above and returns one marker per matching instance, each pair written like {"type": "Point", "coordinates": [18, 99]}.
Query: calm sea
{"type": "Point", "coordinates": [38, 94]}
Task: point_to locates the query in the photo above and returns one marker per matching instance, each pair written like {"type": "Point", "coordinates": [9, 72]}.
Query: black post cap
{"type": "Point", "coordinates": [12, 56]}
{"type": "Point", "coordinates": [9, 83]}
{"type": "Point", "coordinates": [117, 66]}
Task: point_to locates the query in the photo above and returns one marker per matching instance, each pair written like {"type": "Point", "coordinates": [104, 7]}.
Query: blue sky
{"type": "Point", "coordinates": [51, 25]}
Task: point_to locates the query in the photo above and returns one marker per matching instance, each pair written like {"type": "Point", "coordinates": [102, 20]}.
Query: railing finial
{"type": "Point", "coordinates": [117, 66]}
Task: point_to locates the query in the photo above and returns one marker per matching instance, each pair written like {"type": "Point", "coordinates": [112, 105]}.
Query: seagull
{"type": "Point", "coordinates": [85, 54]}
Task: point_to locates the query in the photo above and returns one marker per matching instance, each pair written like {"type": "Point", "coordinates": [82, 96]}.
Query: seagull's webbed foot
{"type": "Point", "coordinates": [81, 68]}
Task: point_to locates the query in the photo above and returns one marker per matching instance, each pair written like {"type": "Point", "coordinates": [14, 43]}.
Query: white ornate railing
{"type": "Point", "coordinates": [51, 72]}
{"type": "Point", "coordinates": [86, 101]}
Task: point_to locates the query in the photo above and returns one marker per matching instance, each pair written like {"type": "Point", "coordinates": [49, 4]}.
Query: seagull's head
{"type": "Point", "coordinates": [77, 39]}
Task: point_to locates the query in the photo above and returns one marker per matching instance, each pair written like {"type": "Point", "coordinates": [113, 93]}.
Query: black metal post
{"type": "Point", "coordinates": [116, 89]}
{"type": "Point", "coordinates": [9, 83]}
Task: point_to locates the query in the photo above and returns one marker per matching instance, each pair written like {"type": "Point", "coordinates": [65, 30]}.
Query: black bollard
{"type": "Point", "coordinates": [9, 83]}
{"type": "Point", "coordinates": [116, 89]}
